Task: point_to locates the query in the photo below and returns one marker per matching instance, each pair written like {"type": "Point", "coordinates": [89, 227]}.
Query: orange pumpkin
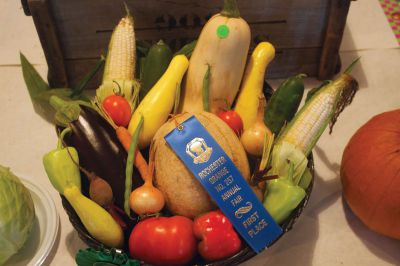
{"type": "Point", "coordinates": [370, 173]}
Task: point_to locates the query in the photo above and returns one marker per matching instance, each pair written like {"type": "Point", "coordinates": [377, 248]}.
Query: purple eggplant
{"type": "Point", "coordinates": [100, 152]}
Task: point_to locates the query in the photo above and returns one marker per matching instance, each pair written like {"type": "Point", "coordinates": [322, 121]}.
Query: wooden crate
{"type": "Point", "coordinates": [74, 33]}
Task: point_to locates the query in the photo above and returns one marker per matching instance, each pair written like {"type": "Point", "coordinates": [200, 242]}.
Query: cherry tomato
{"type": "Point", "coordinates": [233, 120]}
{"type": "Point", "coordinates": [118, 108]}
{"type": "Point", "coordinates": [163, 240]}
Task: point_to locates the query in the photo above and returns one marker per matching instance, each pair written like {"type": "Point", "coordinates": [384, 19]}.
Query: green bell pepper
{"type": "Point", "coordinates": [283, 195]}
{"type": "Point", "coordinates": [282, 198]}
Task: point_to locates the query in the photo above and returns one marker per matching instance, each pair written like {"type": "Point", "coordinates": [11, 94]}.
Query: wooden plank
{"type": "Point", "coordinates": [303, 29]}
{"type": "Point", "coordinates": [77, 69]}
{"type": "Point", "coordinates": [296, 27]}
{"type": "Point", "coordinates": [330, 61]}
{"type": "Point", "coordinates": [147, 12]}
{"type": "Point", "coordinates": [25, 7]}
{"type": "Point", "coordinates": [48, 35]}
{"type": "Point", "coordinates": [150, 12]}
{"type": "Point", "coordinates": [287, 62]}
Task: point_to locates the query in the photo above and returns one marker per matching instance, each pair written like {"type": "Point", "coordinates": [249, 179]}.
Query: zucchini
{"type": "Point", "coordinates": [284, 103]}
{"type": "Point", "coordinates": [155, 64]}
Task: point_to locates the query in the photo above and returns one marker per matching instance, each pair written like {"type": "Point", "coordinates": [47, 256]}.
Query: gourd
{"type": "Point", "coordinates": [370, 173]}
{"type": "Point", "coordinates": [183, 193]}
{"type": "Point", "coordinates": [223, 45]}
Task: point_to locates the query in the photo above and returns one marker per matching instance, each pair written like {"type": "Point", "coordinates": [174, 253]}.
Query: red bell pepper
{"type": "Point", "coordinates": [218, 238]}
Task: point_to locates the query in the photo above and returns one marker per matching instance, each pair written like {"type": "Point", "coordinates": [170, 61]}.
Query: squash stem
{"type": "Point", "coordinates": [230, 9]}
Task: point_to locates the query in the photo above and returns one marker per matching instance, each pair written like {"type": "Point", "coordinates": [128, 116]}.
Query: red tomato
{"type": "Point", "coordinates": [233, 120]}
{"type": "Point", "coordinates": [163, 240]}
{"type": "Point", "coordinates": [118, 108]}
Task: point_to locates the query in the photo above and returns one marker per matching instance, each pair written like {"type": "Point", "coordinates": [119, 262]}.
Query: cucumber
{"type": "Point", "coordinates": [284, 103]}
{"type": "Point", "coordinates": [155, 64]}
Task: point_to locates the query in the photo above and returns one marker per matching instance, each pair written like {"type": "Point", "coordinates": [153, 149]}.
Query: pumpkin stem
{"type": "Point", "coordinates": [230, 9]}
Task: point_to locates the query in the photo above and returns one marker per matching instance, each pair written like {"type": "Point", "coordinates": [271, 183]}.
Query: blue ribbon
{"type": "Point", "coordinates": [222, 180]}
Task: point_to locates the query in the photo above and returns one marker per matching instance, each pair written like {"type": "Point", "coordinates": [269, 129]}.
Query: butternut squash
{"type": "Point", "coordinates": [158, 102]}
{"type": "Point", "coordinates": [252, 85]}
{"type": "Point", "coordinates": [223, 45]}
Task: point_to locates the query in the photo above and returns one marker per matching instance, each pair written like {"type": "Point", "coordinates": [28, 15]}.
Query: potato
{"type": "Point", "coordinates": [183, 193]}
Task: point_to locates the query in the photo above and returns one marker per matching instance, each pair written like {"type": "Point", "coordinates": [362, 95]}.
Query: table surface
{"type": "Point", "coordinates": [326, 234]}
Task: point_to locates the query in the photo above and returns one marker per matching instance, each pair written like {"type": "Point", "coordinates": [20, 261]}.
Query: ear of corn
{"type": "Point", "coordinates": [285, 154]}
{"type": "Point", "coordinates": [324, 107]}
{"type": "Point", "coordinates": [120, 64]}
{"type": "Point", "coordinates": [299, 137]}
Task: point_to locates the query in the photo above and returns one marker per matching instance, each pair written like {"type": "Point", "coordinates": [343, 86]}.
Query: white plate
{"type": "Point", "coordinates": [44, 231]}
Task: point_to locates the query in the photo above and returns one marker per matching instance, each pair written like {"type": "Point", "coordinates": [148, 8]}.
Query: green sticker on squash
{"type": "Point", "coordinates": [223, 31]}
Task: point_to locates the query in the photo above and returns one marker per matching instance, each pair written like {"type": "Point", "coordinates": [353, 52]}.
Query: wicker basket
{"type": "Point", "coordinates": [243, 255]}
{"type": "Point", "coordinates": [306, 33]}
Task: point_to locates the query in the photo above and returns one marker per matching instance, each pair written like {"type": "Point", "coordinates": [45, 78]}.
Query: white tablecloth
{"type": "Point", "coordinates": [326, 234]}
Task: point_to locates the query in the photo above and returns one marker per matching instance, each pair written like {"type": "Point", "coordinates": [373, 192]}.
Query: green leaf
{"type": "Point", "coordinates": [142, 47]}
{"type": "Point", "coordinates": [63, 93]}
{"type": "Point", "coordinates": [283, 155]}
{"type": "Point", "coordinates": [33, 80]}
{"type": "Point", "coordinates": [305, 179]}
{"type": "Point", "coordinates": [42, 106]}
{"type": "Point", "coordinates": [78, 90]}
{"type": "Point", "coordinates": [266, 156]}
{"type": "Point", "coordinates": [129, 89]}
{"type": "Point", "coordinates": [313, 91]}
{"type": "Point", "coordinates": [40, 92]}
{"type": "Point", "coordinates": [349, 69]}
{"type": "Point", "coordinates": [206, 89]}
{"type": "Point", "coordinates": [129, 166]}
{"type": "Point", "coordinates": [187, 49]}
{"type": "Point", "coordinates": [177, 98]}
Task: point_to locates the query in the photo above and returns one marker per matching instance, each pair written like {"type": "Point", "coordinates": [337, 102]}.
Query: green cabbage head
{"type": "Point", "coordinates": [17, 214]}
